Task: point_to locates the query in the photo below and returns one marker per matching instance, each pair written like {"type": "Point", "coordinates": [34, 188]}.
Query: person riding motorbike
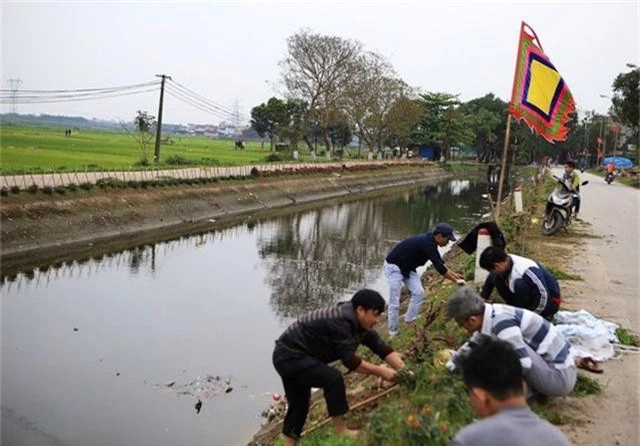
{"type": "Point", "coordinates": [610, 169]}
{"type": "Point", "coordinates": [574, 178]}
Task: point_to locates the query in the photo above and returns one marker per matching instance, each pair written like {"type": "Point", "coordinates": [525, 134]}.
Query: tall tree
{"type": "Point", "coordinates": [403, 117]}
{"type": "Point", "coordinates": [317, 69]}
{"type": "Point", "coordinates": [340, 131]}
{"type": "Point", "coordinates": [488, 119]}
{"type": "Point", "coordinates": [269, 119]}
{"type": "Point", "coordinates": [372, 92]}
{"type": "Point", "coordinates": [442, 122]}
{"type": "Point", "coordinates": [626, 102]}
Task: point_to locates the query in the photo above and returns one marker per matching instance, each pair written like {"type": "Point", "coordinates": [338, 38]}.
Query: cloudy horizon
{"type": "Point", "coordinates": [229, 51]}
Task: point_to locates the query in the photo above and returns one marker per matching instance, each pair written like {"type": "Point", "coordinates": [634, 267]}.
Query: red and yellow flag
{"type": "Point", "coordinates": [540, 96]}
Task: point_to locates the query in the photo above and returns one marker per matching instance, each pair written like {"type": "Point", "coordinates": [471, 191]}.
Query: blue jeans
{"type": "Point", "coordinates": [413, 283]}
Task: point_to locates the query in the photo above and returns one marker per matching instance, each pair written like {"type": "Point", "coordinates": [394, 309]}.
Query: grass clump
{"type": "Point", "coordinates": [626, 337]}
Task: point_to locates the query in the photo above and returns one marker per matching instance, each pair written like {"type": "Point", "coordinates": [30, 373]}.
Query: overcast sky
{"type": "Point", "coordinates": [229, 51]}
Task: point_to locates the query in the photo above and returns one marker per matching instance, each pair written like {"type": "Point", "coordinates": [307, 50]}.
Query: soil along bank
{"type": "Point", "coordinates": [37, 229]}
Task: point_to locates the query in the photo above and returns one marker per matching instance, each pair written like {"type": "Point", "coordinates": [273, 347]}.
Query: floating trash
{"type": "Point", "coordinates": [202, 388]}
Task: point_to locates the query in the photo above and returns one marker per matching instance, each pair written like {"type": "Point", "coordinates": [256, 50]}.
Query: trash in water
{"type": "Point", "coordinates": [198, 406]}
{"type": "Point", "coordinates": [75, 328]}
{"type": "Point", "coordinates": [202, 388]}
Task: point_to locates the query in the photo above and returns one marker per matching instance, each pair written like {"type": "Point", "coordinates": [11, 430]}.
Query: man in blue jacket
{"type": "Point", "coordinates": [400, 267]}
{"type": "Point", "coordinates": [521, 282]}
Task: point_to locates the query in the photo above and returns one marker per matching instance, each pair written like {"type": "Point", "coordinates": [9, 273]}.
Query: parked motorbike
{"type": "Point", "coordinates": [609, 177]}
{"type": "Point", "coordinates": [559, 209]}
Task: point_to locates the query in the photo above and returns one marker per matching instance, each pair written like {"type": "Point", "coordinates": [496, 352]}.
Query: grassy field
{"type": "Point", "coordinates": [46, 149]}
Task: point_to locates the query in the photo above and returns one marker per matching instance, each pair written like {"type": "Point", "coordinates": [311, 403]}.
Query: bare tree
{"type": "Point", "coordinates": [317, 69]}
{"type": "Point", "coordinates": [373, 91]}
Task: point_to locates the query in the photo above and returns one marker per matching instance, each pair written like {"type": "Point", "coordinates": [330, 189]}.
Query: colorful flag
{"type": "Point", "coordinates": [540, 96]}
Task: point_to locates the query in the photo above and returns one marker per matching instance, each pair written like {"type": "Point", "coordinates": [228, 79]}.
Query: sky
{"type": "Point", "coordinates": [229, 51]}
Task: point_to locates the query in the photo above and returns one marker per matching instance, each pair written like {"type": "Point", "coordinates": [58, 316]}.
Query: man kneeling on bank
{"type": "Point", "coordinates": [493, 374]}
{"type": "Point", "coordinates": [305, 348]}
{"type": "Point", "coordinates": [547, 361]}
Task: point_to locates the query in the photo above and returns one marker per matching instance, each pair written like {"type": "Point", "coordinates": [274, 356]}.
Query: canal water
{"type": "Point", "coordinates": [118, 349]}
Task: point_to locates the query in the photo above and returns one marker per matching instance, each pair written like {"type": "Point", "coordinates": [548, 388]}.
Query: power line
{"type": "Point", "coordinates": [88, 95]}
{"type": "Point", "coordinates": [201, 97]}
{"type": "Point", "coordinates": [178, 95]}
{"type": "Point", "coordinates": [45, 100]}
{"type": "Point", "coordinates": [181, 97]}
{"type": "Point", "coordinates": [82, 90]}
{"type": "Point", "coordinates": [204, 100]}
{"type": "Point", "coordinates": [200, 103]}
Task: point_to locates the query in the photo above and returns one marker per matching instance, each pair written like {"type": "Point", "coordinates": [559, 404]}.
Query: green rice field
{"type": "Point", "coordinates": [46, 149]}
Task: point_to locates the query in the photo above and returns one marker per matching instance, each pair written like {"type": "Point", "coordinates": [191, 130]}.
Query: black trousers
{"type": "Point", "coordinates": [299, 375]}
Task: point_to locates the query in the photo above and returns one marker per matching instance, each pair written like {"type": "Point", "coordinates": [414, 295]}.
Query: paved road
{"type": "Point", "coordinates": [609, 265]}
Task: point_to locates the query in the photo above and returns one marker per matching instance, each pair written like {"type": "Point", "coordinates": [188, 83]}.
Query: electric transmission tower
{"type": "Point", "coordinates": [14, 85]}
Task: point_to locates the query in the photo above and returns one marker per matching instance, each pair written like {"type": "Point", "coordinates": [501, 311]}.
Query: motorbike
{"type": "Point", "coordinates": [559, 209]}
{"type": "Point", "coordinates": [609, 177]}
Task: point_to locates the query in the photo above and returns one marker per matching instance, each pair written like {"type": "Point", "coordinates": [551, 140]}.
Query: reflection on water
{"type": "Point", "coordinates": [203, 304]}
{"type": "Point", "coordinates": [317, 257]}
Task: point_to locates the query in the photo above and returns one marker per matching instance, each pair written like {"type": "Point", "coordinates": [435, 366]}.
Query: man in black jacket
{"type": "Point", "coordinates": [305, 348]}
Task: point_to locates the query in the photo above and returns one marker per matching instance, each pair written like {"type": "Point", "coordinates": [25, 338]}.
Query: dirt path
{"type": "Point", "coordinates": [63, 179]}
{"type": "Point", "coordinates": [608, 262]}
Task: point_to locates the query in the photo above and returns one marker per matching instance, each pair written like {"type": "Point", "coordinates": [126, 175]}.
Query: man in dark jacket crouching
{"type": "Point", "coordinates": [305, 348]}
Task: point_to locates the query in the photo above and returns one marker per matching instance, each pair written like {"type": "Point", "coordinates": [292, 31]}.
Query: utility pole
{"type": "Point", "coordinates": [14, 84]}
{"type": "Point", "coordinates": [156, 152]}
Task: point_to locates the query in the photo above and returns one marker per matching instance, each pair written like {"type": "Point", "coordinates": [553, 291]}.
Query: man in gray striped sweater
{"type": "Point", "coordinates": [546, 359]}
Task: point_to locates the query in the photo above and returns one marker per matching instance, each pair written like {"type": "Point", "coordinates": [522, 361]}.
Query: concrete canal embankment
{"type": "Point", "coordinates": [39, 228]}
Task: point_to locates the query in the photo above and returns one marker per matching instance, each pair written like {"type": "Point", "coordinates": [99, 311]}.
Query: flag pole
{"type": "Point", "coordinates": [503, 167]}
{"type": "Point", "coordinates": [508, 131]}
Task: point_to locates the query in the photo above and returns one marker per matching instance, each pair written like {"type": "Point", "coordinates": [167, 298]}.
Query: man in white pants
{"type": "Point", "coordinates": [400, 267]}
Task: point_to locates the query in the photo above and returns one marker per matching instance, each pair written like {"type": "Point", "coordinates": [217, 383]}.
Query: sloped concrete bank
{"type": "Point", "coordinates": [37, 229]}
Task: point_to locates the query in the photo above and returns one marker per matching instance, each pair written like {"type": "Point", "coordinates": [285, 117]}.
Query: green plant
{"type": "Point", "coordinates": [273, 157]}
{"type": "Point", "coordinates": [553, 416]}
{"type": "Point", "coordinates": [72, 186]}
{"type": "Point", "coordinates": [104, 183]}
{"type": "Point", "coordinates": [586, 386]}
{"type": "Point", "coordinates": [86, 186]}
{"type": "Point", "coordinates": [60, 190]}
{"type": "Point", "coordinates": [4, 191]}
{"type": "Point", "coordinates": [15, 189]}
{"type": "Point", "coordinates": [178, 160]}
{"type": "Point", "coordinates": [48, 190]}
{"type": "Point", "coordinates": [469, 268]}
{"type": "Point", "coordinates": [626, 337]}
{"type": "Point", "coordinates": [32, 189]}
{"type": "Point", "coordinates": [561, 275]}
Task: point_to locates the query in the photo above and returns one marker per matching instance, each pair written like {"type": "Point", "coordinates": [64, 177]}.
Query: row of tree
{"type": "Point", "coordinates": [335, 89]}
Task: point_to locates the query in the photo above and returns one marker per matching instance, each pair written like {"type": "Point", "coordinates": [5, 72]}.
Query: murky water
{"type": "Point", "coordinates": [89, 348]}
